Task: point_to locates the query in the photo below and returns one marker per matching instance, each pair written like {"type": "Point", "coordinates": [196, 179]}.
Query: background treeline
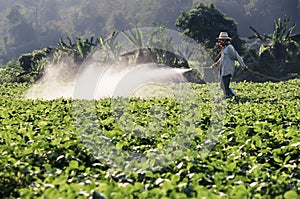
{"type": "Point", "coordinates": [34, 24]}
{"type": "Point", "coordinates": [263, 31]}
{"type": "Point", "coordinates": [27, 25]}
{"type": "Point", "coordinates": [258, 13]}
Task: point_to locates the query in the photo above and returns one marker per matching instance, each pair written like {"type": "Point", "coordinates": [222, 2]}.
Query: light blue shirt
{"type": "Point", "coordinates": [227, 60]}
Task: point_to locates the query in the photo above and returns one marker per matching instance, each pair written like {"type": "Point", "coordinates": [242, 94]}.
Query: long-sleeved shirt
{"type": "Point", "coordinates": [227, 60]}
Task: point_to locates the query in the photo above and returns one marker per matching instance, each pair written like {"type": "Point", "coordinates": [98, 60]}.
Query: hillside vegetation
{"type": "Point", "coordinates": [30, 25]}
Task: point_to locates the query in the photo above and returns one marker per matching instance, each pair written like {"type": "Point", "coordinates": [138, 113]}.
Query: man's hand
{"type": "Point", "coordinates": [245, 68]}
{"type": "Point", "coordinates": [214, 65]}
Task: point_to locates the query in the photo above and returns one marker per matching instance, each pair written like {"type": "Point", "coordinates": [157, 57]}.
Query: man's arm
{"type": "Point", "coordinates": [216, 64]}
{"type": "Point", "coordinates": [235, 55]}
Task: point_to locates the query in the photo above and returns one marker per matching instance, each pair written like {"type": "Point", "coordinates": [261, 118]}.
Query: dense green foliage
{"type": "Point", "coordinates": [34, 24]}
{"type": "Point", "coordinates": [37, 25]}
{"type": "Point", "coordinates": [31, 66]}
{"type": "Point", "coordinates": [257, 154]}
{"type": "Point", "coordinates": [155, 46]}
{"type": "Point", "coordinates": [258, 13]}
{"type": "Point", "coordinates": [204, 23]}
{"type": "Point", "coordinates": [31, 24]}
{"type": "Point", "coordinates": [279, 51]}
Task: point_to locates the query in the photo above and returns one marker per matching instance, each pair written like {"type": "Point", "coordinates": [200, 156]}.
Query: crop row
{"type": "Point", "coordinates": [152, 148]}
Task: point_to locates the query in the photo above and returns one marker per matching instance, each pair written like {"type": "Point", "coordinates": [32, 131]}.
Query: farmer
{"type": "Point", "coordinates": [226, 63]}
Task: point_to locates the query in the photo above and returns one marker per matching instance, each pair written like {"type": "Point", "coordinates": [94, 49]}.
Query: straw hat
{"type": "Point", "coordinates": [223, 36]}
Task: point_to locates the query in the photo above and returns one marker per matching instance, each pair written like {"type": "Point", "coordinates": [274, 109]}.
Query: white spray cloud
{"type": "Point", "coordinates": [96, 81]}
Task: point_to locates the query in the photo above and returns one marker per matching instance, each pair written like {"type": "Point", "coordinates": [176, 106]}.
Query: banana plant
{"type": "Point", "coordinates": [135, 38]}
{"type": "Point", "coordinates": [279, 48]}
{"type": "Point", "coordinates": [281, 31]}
{"type": "Point", "coordinates": [78, 50]}
{"type": "Point", "coordinates": [165, 50]}
{"type": "Point", "coordinates": [110, 47]}
{"type": "Point", "coordinates": [281, 36]}
{"type": "Point", "coordinates": [85, 47]}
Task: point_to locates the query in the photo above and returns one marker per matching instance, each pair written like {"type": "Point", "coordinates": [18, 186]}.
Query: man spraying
{"type": "Point", "coordinates": [226, 63]}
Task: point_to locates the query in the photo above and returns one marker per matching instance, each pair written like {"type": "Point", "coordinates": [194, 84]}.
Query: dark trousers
{"type": "Point", "coordinates": [225, 82]}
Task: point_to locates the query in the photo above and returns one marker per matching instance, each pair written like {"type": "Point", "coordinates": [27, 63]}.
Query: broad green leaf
{"type": "Point", "coordinates": [73, 164]}
{"type": "Point", "coordinates": [292, 194]}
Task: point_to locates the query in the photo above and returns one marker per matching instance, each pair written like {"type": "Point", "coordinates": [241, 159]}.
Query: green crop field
{"type": "Point", "coordinates": [46, 147]}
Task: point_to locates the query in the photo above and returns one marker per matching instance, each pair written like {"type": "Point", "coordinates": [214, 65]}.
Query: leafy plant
{"type": "Point", "coordinates": [257, 154]}
{"type": "Point", "coordinates": [110, 47]}
{"type": "Point", "coordinates": [135, 38]}
{"type": "Point", "coordinates": [78, 50]}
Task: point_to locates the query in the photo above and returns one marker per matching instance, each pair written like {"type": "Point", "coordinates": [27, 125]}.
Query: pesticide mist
{"type": "Point", "coordinates": [57, 82]}
{"type": "Point", "coordinates": [96, 81]}
{"type": "Point", "coordinates": [112, 69]}
{"type": "Point", "coordinates": [126, 65]}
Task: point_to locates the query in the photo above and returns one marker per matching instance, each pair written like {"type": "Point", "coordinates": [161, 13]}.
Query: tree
{"type": "Point", "coordinates": [49, 11]}
{"type": "Point", "coordinates": [34, 4]}
{"type": "Point", "coordinates": [89, 20]}
{"type": "Point", "coordinates": [160, 12]}
{"type": "Point", "coordinates": [260, 13]}
{"type": "Point", "coordinates": [21, 35]}
{"type": "Point", "coordinates": [117, 22]}
{"type": "Point", "coordinates": [263, 12]}
{"type": "Point", "coordinates": [203, 23]}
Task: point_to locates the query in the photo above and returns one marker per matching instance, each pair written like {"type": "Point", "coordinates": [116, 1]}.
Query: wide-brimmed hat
{"type": "Point", "coordinates": [224, 36]}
